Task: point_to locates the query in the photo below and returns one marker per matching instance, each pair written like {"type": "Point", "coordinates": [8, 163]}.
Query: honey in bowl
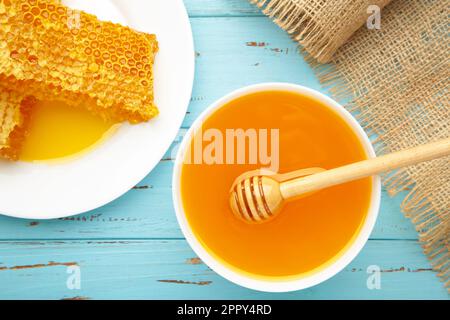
{"type": "Point", "coordinates": [310, 233]}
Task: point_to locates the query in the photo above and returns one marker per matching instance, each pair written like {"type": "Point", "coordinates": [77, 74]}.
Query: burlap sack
{"type": "Point", "coordinates": [397, 80]}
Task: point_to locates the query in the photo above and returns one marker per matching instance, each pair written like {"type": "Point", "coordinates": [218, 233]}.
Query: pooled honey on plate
{"type": "Point", "coordinates": [58, 131]}
{"type": "Point", "coordinates": [312, 232]}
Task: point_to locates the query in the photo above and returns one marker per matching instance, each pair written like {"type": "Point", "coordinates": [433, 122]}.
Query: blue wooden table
{"type": "Point", "coordinates": [133, 248]}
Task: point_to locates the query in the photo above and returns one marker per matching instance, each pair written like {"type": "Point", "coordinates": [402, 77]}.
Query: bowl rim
{"type": "Point", "coordinates": [274, 285]}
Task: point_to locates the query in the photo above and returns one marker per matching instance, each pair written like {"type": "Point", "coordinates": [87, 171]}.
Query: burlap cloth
{"type": "Point", "coordinates": [395, 80]}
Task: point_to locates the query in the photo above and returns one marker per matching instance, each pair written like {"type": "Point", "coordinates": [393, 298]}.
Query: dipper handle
{"type": "Point", "coordinates": [295, 188]}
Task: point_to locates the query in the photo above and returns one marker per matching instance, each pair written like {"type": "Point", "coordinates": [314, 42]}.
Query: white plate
{"type": "Point", "coordinates": [46, 191]}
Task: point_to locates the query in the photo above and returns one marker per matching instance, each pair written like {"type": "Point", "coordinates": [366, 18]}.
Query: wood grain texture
{"type": "Point", "coordinates": [239, 51]}
{"type": "Point", "coordinates": [227, 47]}
{"type": "Point", "coordinates": [221, 8]}
{"type": "Point", "coordinates": [133, 247]}
{"type": "Point", "coordinates": [164, 270]}
{"type": "Point", "coordinates": [147, 212]}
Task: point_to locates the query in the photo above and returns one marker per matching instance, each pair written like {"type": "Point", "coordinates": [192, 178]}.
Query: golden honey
{"type": "Point", "coordinates": [58, 131]}
{"type": "Point", "coordinates": [309, 233]}
{"type": "Point", "coordinates": [60, 53]}
{"type": "Point", "coordinates": [51, 52]}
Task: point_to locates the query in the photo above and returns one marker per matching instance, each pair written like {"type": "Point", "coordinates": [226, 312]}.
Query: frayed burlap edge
{"type": "Point", "coordinates": [431, 221]}
{"type": "Point", "coordinates": [415, 73]}
{"type": "Point", "coordinates": [320, 27]}
{"type": "Point", "coordinates": [432, 230]}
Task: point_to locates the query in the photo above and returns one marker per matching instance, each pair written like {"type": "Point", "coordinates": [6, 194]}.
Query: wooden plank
{"type": "Point", "coordinates": [147, 212]}
{"type": "Point", "coordinates": [169, 269]}
{"type": "Point", "coordinates": [227, 48]}
{"type": "Point", "coordinates": [221, 8]}
{"type": "Point", "coordinates": [235, 52]}
{"type": "Point", "coordinates": [235, 46]}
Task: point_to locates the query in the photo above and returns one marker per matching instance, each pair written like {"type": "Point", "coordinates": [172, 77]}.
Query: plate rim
{"type": "Point", "coordinates": [152, 164]}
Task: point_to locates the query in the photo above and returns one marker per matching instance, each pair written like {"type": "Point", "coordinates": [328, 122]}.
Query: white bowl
{"type": "Point", "coordinates": [276, 285]}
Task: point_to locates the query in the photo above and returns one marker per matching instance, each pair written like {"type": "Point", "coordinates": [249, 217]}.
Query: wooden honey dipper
{"type": "Point", "coordinates": [258, 196]}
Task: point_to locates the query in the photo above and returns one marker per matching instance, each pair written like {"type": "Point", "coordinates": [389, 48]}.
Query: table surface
{"type": "Point", "coordinates": [133, 247]}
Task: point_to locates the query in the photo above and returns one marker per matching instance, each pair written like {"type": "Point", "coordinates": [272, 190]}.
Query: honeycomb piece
{"type": "Point", "coordinates": [53, 52]}
{"type": "Point", "coordinates": [15, 111]}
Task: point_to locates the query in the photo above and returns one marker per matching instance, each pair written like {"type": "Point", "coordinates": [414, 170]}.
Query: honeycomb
{"type": "Point", "coordinates": [15, 112]}
{"type": "Point", "coordinates": [52, 52]}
